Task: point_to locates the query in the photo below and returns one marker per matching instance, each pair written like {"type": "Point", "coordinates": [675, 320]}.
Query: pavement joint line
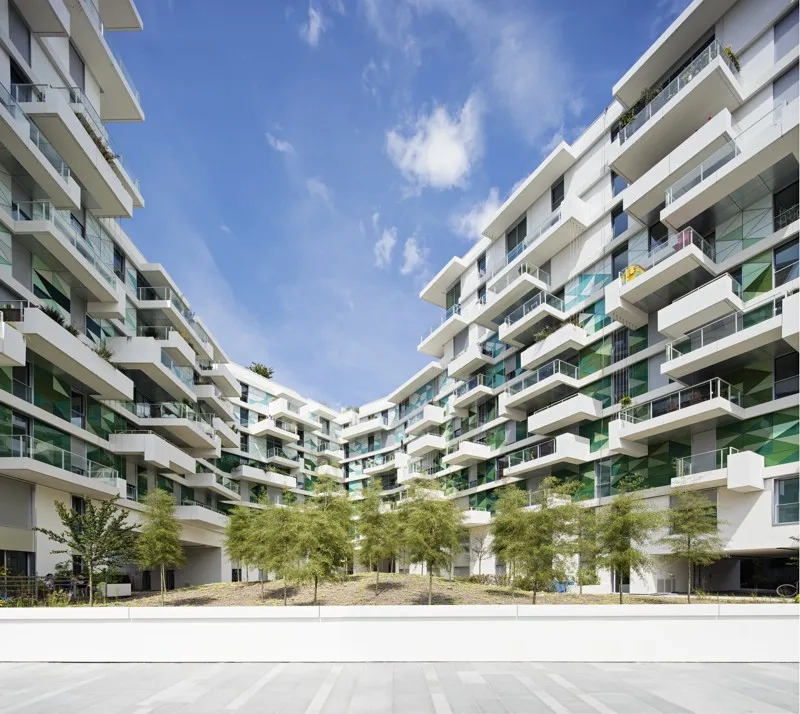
{"type": "Point", "coordinates": [48, 695]}
{"type": "Point", "coordinates": [324, 690]}
{"type": "Point", "coordinates": [253, 689]}
{"type": "Point", "coordinates": [440, 704]}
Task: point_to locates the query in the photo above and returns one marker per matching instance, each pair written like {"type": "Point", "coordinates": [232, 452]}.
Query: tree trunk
{"type": "Point", "coordinates": [533, 595]}
{"type": "Point", "coordinates": [91, 587]}
{"type": "Point", "coordinates": [262, 587]}
{"type": "Point", "coordinates": [480, 558]}
{"type": "Point", "coordinates": [284, 589]}
{"type": "Point", "coordinates": [619, 585]}
{"type": "Point", "coordinates": [315, 589]}
{"type": "Point", "coordinates": [430, 586]}
{"type": "Point", "coordinates": [377, 575]}
{"type": "Point", "coordinates": [689, 583]}
{"type": "Point", "coordinates": [163, 584]}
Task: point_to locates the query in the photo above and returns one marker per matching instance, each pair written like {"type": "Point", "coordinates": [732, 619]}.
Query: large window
{"type": "Point", "coordinates": [784, 206]}
{"type": "Point", "coordinates": [453, 296]}
{"type": "Point", "coordinates": [618, 184]}
{"type": "Point", "coordinates": [786, 500]}
{"type": "Point", "coordinates": [77, 69]}
{"type": "Point", "coordinates": [787, 380]}
{"type": "Point", "coordinates": [619, 261]}
{"type": "Point", "coordinates": [482, 265]}
{"type": "Point", "coordinates": [619, 221]}
{"type": "Point", "coordinates": [786, 34]}
{"type": "Point", "coordinates": [557, 194]}
{"type": "Point", "coordinates": [785, 258]}
{"type": "Point", "coordinates": [516, 235]}
{"type": "Point", "coordinates": [602, 478]}
{"type": "Point", "coordinates": [19, 33]}
{"type": "Point", "coordinates": [657, 235]}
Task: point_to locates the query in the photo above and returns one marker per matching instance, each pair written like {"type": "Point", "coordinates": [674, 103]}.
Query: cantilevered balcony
{"type": "Point", "coordinates": [469, 359]}
{"type": "Point", "coordinates": [705, 402]}
{"type": "Point", "coordinates": [428, 418]}
{"type": "Point", "coordinates": [453, 322]}
{"type": "Point", "coordinates": [227, 434]}
{"type": "Point", "coordinates": [563, 449]}
{"type": "Point", "coordinates": [331, 451]}
{"type": "Point", "coordinates": [153, 450]}
{"type": "Point", "coordinates": [180, 421]}
{"type": "Point", "coordinates": [741, 471]}
{"type": "Point", "coordinates": [567, 338]}
{"type": "Point", "coordinates": [283, 409]}
{"type": "Point", "coordinates": [146, 355]}
{"type": "Point", "coordinates": [513, 285]}
{"type": "Point", "coordinates": [473, 516]}
{"type": "Point", "coordinates": [120, 98]}
{"type": "Point", "coordinates": [43, 228]}
{"type": "Point", "coordinates": [202, 515]}
{"type": "Point", "coordinates": [384, 463]}
{"type": "Point", "coordinates": [364, 426]}
{"type": "Point", "coordinates": [425, 468]}
{"type": "Point", "coordinates": [57, 345]}
{"type": "Point", "coordinates": [12, 345]}
{"type": "Point", "coordinates": [754, 151]}
{"type": "Point", "coordinates": [467, 450]}
{"type": "Point", "coordinates": [520, 325]}
{"type": "Point", "coordinates": [266, 476]}
{"type": "Point", "coordinates": [120, 15]}
{"type": "Point", "coordinates": [282, 458]}
{"type": "Point", "coordinates": [558, 415]}
{"type": "Point", "coordinates": [731, 336]}
{"type": "Point", "coordinates": [705, 87]}
{"type": "Point", "coordinates": [425, 443]}
{"type": "Point", "coordinates": [49, 18]}
{"type": "Point", "coordinates": [40, 462]}
{"type": "Point", "coordinates": [277, 428]}
{"type": "Point", "coordinates": [533, 387]}
{"type": "Point", "coordinates": [719, 297]}
{"type": "Point", "coordinates": [36, 155]}
{"type": "Point", "coordinates": [171, 341]}
{"type": "Point", "coordinates": [217, 483]}
{"type": "Point", "coordinates": [67, 117]}
{"type": "Point", "coordinates": [220, 374]}
{"type": "Point", "coordinates": [474, 389]}
{"type": "Point", "coordinates": [215, 400]}
{"type": "Point", "coordinates": [676, 257]}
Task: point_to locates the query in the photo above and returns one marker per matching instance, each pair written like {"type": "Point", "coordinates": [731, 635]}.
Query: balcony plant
{"type": "Point", "coordinates": [72, 330]}
{"type": "Point", "coordinates": [732, 57]}
{"type": "Point", "coordinates": [262, 370]}
{"type": "Point", "coordinates": [625, 401]}
{"type": "Point", "coordinates": [54, 314]}
{"type": "Point", "coordinates": [104, 351]}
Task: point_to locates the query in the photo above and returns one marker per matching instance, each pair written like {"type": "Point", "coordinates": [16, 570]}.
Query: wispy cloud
{"type": "Point", "coordinates": [280, 145]}
{"type": "Point", "coordinates": [414, 256]}
{"type": "Point", "coordinates": [311, 30]}
{"type": "Point", "coordinates": [441, 150]}
{"type": "Point", "coordinates": [318, 189]}
{"type": "Point", "coordinates": [384, 246]}
{"type": "Point", "coordinates": [225, 229]}
{"type": "Point", "coordinates": [470, 224]}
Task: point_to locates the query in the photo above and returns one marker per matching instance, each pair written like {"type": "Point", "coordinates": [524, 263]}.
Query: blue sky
{"type": "Point", "coordinates": [307, 168]}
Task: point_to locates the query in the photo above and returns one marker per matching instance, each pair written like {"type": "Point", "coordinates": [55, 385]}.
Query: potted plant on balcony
{"type": "Point", "coordinates": [625, 402]}
{"type": "Point", "coordinates": [104, 351]}
{"type": "Point", "coordinates": [53, 313]}
{"type": "Point", "coordinates": [732, 58]}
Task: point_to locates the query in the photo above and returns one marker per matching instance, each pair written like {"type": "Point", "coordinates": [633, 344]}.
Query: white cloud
{"type": "Point", "coordinates": [376, 219]}
{"type": "Point", "coordinates": [279, 145]}
{"type": "Point", "coordinates": [384, 246]}
{"type": "Point", "coordinates": [338, 6]}
{"type": "Point", "coordinates": [317, 188]}
{"type": "Point", "coordinates": [471, 223]}
{"type": "Point", "coordinates": [413, 256]}
{"type": "Point", "coordinates": [392, 22]}
{"type": "Point", "coordinates": [442, 150]}
{"type": "Point", "coordinates": [312, 29]}
{"type": "Point", "coordinates": [374, 76]}
{"type": "Point", "coordinates": [225, 229]}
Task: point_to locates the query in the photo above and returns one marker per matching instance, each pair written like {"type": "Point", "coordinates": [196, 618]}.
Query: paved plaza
{"type": "Point", "coordinates": [412, 688]}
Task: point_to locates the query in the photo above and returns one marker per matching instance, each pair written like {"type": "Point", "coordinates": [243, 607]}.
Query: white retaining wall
{"type": "Point", "coordinates": [547, 633]}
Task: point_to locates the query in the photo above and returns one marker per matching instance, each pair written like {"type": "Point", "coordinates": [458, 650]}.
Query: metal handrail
{"type": "Point", "coordinates": [21, 446]}
{"type": "Point", "coordinates": [523, 268]}
{"type": "Point", "coordinates": [672, 244]}
{"type": "Point", "coordinates": [454, 309]}
{"type": "Point", "coordinates": [557, 366]}
{"type": "Point", "coordinates": [687, 397]}
{"type": "Point", "coordinates": [541, 298]}
{"type": "Point", "coordinates": [704, 461]}
{"type": "Point", "coordinates": [531, 453]}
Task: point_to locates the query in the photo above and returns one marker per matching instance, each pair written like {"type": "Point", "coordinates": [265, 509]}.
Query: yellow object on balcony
{"type": "Point", "coordinates": [631, 272]}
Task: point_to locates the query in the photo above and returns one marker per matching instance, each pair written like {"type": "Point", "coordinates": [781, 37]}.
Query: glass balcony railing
{"type": "Point", "coordinates": [93, 14]}
{"type": "Point", "coordinates": [688, 397]}
{"type": "Point", "coordinates": [157, 332]}
{"type": "Point", "coordinates": [454, 309]}
{"type": "Point", "coordinates": [380, 460]}
{"type": "Point", "coordinates": [127, 75]}
{"type": "Point", "coordinates": [548, 370]}
{"type": "Point", "coordinates": [536, 301]}
{"type": "Point", "coordinates": [537, 451]}
{"type": "Point", "coordinates": [228, 483]}
{"type": "Point", "coordinates": [724, 327]}
{"type": "Point", "coordinates": [44, 211]}
{"type": "Point", "coordinates": [28, 447]}
{"type": "Point", "coordinates": [52, 156]}
{"type": "Point", "coordinates": [29, 93]}
{"type": "Point", "coordinates": [454, 447]}
{"type": "Point", "coordinates": [521, 269]}
{"type": "Point", "coordinates": [706, 461]}
{"type": "Point", "coordinates": [169, 410]}
{"type": "Point", "coordinates": [673, 243]}
{"type": "Point", "coordinates": [184, 374]}
{"type": "Point", "coordinates": [665, 95]}
{"type": "Point", "coordinates": [480, 380]}
{"type": "Point", "coordinates": [190, 502]}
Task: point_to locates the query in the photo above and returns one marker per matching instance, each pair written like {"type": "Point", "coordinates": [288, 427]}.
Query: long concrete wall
{"type": "Point", "coordinates": [546, 633]}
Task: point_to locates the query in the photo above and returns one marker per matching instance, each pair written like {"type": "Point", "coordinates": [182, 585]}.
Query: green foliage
{"type": "Point", "coordinates": [733, 58]}
{"type": "Point", "coordinates": [101, 537]}
{"type": "Point", "coordinates": [508, 527]}
{"type": "Point", "coordinates": [58, 598]}
{"type": "Point", "coordinates": [693, 532]}
{"type": "Point", "coordinates": [625, 401]}
{"type": "Point", "coordinates": [53, 313]}
{"type": "Point", "coordinates": [159, 543]}
{"type": "Point", "coordinates": [432, 529]}
{"type": "Point", "coordinates": [324, 537]}
{"type": "Point", "coordinates": [624, 527]}
{"type": "Point", "coordinates": [241, 536]}
{"type": "Point", "coordinates": [380, 536]}
{"type": "Point", "coordinates": [585, 547]}
{"type": "Point", "coordinates": [104, 351]}
{"type": "Point", "coordinates": [262, 370]}
{"type": "Point", "coordinates": [71, 329]}
{"type": "Point", "coordinates": [277, 529]}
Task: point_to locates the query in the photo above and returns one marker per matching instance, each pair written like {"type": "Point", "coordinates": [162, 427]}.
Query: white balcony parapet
{"type": "Point", "coordinates": [153, 449]}
{"type": "Point", "coordinates": [564, 448]}
{"type": "Point", "coordinates": [741, 471]}
{"type": "Point", "coordinates": [218, 483]}
{"type": "Point", "coordinates": [429, 416]}
{"type": "Point", "coordinates": [688, 467]}
{"type": "Point", "coordinates": [672, 244]}
{"type": "Point", "coordinates": [12, 345]}
{"type": "Point", "coordinates": [475, 388]}
{"type": "Point", "coordinates": [265, 475]}
{"type": "Point", "coordinates": [425, 443]}
{"type": "Point", "coordinates": [467, 450]}
{"type": "Point", "coordinates": [547, 377]}
{"type": "Point", "coordinates": [525, 318]}
{"type": "Point", "coordinates": [725, 338]}
{"type": "Point", "coordinates": [523, 268]}
{"type": "Point", "coordinates": [570, 410]}
{"type": "Point", "coordinates": [200, 514]}
{"type": "Point", "coordinates": [791, 320]}
{"type": "Point", "coordinates": [474, 516]}
{"type": "Point", "coordinates": [718, 297]}
{"type": "Point", "coordinates": [567, 337]}
{"type": "Point", "coordinates": [708, 400]}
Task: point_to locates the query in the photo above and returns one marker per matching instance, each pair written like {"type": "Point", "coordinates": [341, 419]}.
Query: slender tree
{"type": "Point", "coordinates": [432, 527]}
{"type": "Point", "coordinates": [693, 532]}
{"type": "Point", "coordinates": [508, 528]}
{"type": "Point", "coordinates": [159, 542]}
{"type": "Point", "coordinates": [547, 535]}
{"type": "Point", "coordinates": [480, 546]}
{"type": "Point", "coordinates": [101, 537]}
{"type": "Point", "coordinates": [278, 531]}
{"type": "Point", "coordinates": [325, 539]}
{"type": "Point", "coordinates": [378, 536]}
{"type": "Point", "coordinates": [241, 540]}
{"type": "Point", "coordinates": [624, 527]}
{"type": "Point", "coordinates": [585, 547]}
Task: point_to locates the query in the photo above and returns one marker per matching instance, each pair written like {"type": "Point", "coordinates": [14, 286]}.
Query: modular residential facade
{"type": "Point", "coordinates": [632, 307]}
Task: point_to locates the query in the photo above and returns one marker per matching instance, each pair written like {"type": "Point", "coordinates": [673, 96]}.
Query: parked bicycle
{"type": "Point", "coordinates": [788, 590]}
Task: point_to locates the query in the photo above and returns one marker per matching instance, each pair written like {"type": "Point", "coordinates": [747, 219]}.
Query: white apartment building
{"type": "Point", "coordinates": [632, 308]}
